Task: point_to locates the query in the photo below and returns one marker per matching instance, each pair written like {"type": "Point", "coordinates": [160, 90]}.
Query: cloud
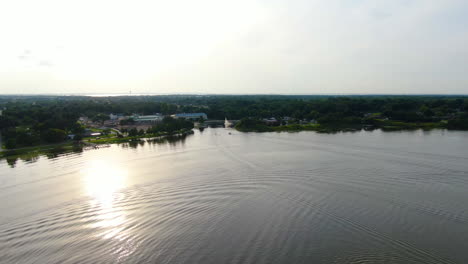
{"type": "Point", "coordinates": [258, 46]}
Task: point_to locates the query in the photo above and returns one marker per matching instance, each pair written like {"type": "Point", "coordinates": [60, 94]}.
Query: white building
{"type": "Point", "coordinates": [148, 118]}
{"type": "Point", "coordinates": [192, 116]}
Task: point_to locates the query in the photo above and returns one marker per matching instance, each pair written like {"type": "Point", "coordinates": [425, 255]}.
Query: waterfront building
{"type": "Point", "coordinates": [148, 118]}
{"type": "Point", "coordinates": [192, 116]}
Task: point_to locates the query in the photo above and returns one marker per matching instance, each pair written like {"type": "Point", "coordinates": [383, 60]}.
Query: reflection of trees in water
{"type": "Point", "coordinates": [136, 144]}
{"type": "Point", "coordinates": [172, 140]}
{"type": "Point", "coordinates": [133, 144]}
{"type": "Point", "coordinates": [11, 161]}
{"type": "Point", "coordinates": [77, 149]}
{"type": "Point", "coordinates": [60, 151]}
{"type": "Point", "coordinates": [54, 153]}
{"type": "Point", "coordinates": [32, 157]}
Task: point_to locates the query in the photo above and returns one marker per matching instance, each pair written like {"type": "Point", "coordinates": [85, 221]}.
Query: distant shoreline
{"type": "Point", "coordinates": [29, 121]}
{"type": "Point", "coordinates": [233, 94]}
{"type": "Point", "coordinates": [331, 128]}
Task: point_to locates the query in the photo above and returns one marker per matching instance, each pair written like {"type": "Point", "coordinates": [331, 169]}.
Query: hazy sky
{"type": "Point", "coordinates": [241, 46]}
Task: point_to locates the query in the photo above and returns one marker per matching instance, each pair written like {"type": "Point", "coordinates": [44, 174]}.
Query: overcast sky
{"type": "Point", "coordinates": [241, 46]}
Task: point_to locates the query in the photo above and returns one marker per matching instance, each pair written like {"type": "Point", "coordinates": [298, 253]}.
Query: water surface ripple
{"type": "Point", "coordinates": [226, 197]}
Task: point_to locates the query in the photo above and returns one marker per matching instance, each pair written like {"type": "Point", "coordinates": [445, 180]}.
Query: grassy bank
{"type": "Point", "coordinates": [36, 150]}
{"type": "Point", "coordinates": [31, 154]}
{"type": "Point", "coordinates": [112, 140]}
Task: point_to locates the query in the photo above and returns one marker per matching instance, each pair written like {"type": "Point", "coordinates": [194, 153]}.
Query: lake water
{"type": "Point", "coordinates": [220, 196]}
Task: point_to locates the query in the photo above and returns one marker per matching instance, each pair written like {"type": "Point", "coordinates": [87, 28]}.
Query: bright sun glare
{"type": "Point", "coordinates": [102, 179]}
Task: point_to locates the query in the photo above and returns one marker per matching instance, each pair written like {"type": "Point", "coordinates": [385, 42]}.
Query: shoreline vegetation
{"type": "Point", "coordinates": [255, 125]}
{"type": "Point", "coordinates": [50, 124]}
{"type": "Point", "coordinates": [54, 150]}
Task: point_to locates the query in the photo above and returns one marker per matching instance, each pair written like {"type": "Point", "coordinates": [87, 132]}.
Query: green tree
{"type": "Point", "coordinates": [100, 118]}
{"type": "Point", "coordinates": [125, 122]}
{"type": "Point", "coordinates": [10, 143]}
{"type": "Point", "coordinates": [54, 135]}
{"type": "Point", "coordinates": [133, 132]}
{"type": "Point", "coordinates": [77, 128]}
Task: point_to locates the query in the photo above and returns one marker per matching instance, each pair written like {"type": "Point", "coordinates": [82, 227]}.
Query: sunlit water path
{"type": "Point", "coordinates": [220, 196]}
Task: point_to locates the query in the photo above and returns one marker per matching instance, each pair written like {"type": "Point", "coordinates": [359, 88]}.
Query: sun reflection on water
{"type": "Point", "coordinates": [102, 181]}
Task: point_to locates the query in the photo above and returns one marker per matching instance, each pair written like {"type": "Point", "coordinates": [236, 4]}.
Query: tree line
{"type": "Point", "coordinates": [31, 120]}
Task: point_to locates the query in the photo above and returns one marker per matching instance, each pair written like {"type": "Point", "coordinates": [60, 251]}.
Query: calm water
{"type": "Point", "coordinates": [215, 197]}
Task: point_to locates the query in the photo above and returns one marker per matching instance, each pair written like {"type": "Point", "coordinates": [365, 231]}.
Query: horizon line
{"type": "Point", "coordinates": [230, 94]}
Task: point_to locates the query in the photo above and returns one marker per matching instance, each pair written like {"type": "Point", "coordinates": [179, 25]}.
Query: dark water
{"type": "Point", "coordinates": [366, 197]}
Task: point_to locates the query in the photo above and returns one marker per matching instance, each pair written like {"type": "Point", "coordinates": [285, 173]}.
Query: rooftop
{"type": "Point", "coordinates": [190, 114]}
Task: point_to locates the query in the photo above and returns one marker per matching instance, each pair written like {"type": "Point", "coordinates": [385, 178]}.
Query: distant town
{"type": "Point", "coordinates": [121, 123]}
